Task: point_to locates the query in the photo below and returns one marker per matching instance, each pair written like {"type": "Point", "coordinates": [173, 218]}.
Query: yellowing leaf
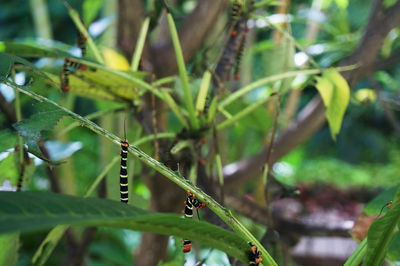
{"type": "Point", "coordinates": [115, 60]}
{"type": "Point", "coordinates": [335, 93]}
{"type": "Point", "coordinates": [365, 95]}
{"type": "Point", "coordinates": [325, 88]}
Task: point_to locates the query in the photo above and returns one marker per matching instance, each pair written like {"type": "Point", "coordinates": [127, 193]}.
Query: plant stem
{"type": "Point", "coordinates": [19, 118]}
{"type": "Point", "coordinates": [90, 117]}
{"type": "Point", "coordinates": [162, 135]}
{"type": "Point", "coordinates": [242, 113]}
{"type": "Point", "coordinates": [101, 176]}
{"type": "Point", "coordinates": [246, 89]}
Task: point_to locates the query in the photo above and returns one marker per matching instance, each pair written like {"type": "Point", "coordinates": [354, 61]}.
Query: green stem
{"type": "Point", "coordinates": [219, 169]}
{"type": "Point", "coordinates": [101, 176]}
{"type": "Point", "coordinates": [182, 73]}
{"type": "Point", "coordinates": [358, 254]}
{"type": "Point", "coordinates": [202, 95]}
{"type": "Point", "coordinates": [140, 44]}
{"type": "Point", "coordinates": [78, 23]}
{"type": "Point", "coordinates": [214, 206]}
{"type": "Point", "coordinates": [242, 113]}
{"type": "Point", "coordinates": [90, 117]}
{"type": "Point", "coordinates": [224, 112]}
{"type": "Point", "coordinates": [19, 118]}
{"type": "Point", "coordinates": [148, 138]}
{"type": "Point", "coordinates": [174, 107]}
{"type": "Point", "coordinates": [246, 89]}
{"type": "Point", "coordinates": [163, 81]}
{"type": "Point", "coordinates": [290, 37]}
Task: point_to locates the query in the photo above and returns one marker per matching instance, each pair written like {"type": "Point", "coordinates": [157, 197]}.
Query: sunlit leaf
{"type": "Point", "coordinates": [342, 4]}
{"type": "Point", "coordinates": [325, 88]}
{"type": "Point", "coordinates": [115, 60]}
{"type": "Point", "coordinates": [335, 93]}
{"type": "Point", "coordinates": [365, 95]}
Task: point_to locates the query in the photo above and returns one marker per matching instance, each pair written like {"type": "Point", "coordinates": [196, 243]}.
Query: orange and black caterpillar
{"type": "Point", "coordinates": [239, 56]}
{"type": "Point", "coordinates": [224, 67]}
{"type": "Point", "coordinates": [26, 161]}
{"type": "Point", "coordinates": [70, 65]}
{"type": "Point", "coordinates": [81, 43]}
{"type": "Point", "coordinates": [123, 173]}
{"type": "Point", "coordinates": [255, 256]}
{"type": "Point", "coordinates": [190, 203]}
{"type": "Point", "coordinates": [236, 10]}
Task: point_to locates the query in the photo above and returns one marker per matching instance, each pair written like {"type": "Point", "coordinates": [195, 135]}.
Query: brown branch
{"type": "Point", "coordinates": [192, 34]}
{"type": "Point", "coordinates": [130, 18]}
{"type": "Point", "coordinates": [312, 117]}
{"type": "Point", "coordinates": [387, 62]}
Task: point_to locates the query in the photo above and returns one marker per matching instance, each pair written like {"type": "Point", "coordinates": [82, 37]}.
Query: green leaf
{"type": "Point", "coordinates": [5, 64]}
{"type": "Point", "coordinates": [325, 88]}
{"type": "Point", "coordinates": [29, 211]}
{"type": "Point", "coordinates": [8, 139]}
{"type": "Point", "coordinates": [90, 9]}
{"type": "Point", "coordinates": [31, 128]}
{"type": "Point", "coordinates": [9, 244]}
{"type": "Point", "coordinates": [9, 60]}
{"type": "Point", "coordinates": [8, 169]}
{"type": "Point", "coordinates": [182, 72]}
{"type": "Point", "coordinates": [374, 206]}
{"type": "Point", "coordinates": [335, 93]}
{"type": "Point", "coordinates": [31, 49]}
{"type": "Point", "coordinates": [382, 232]}
{"type": "Point", "coordinates": [49, 243]}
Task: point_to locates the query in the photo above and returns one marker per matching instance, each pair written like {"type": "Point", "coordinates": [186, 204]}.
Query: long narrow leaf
{"type": "Point", "coordinates": [140, 44]}
{"type": "Point", "coordinates": [182, 72]}
{"type": "Point", "coordinates": [30, 211]}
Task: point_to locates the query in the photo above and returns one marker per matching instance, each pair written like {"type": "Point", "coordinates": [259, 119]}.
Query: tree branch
{"type": "Point", "coordinates": [312, 117]}
{"type": "Point", "coordinates": [130, 18]}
